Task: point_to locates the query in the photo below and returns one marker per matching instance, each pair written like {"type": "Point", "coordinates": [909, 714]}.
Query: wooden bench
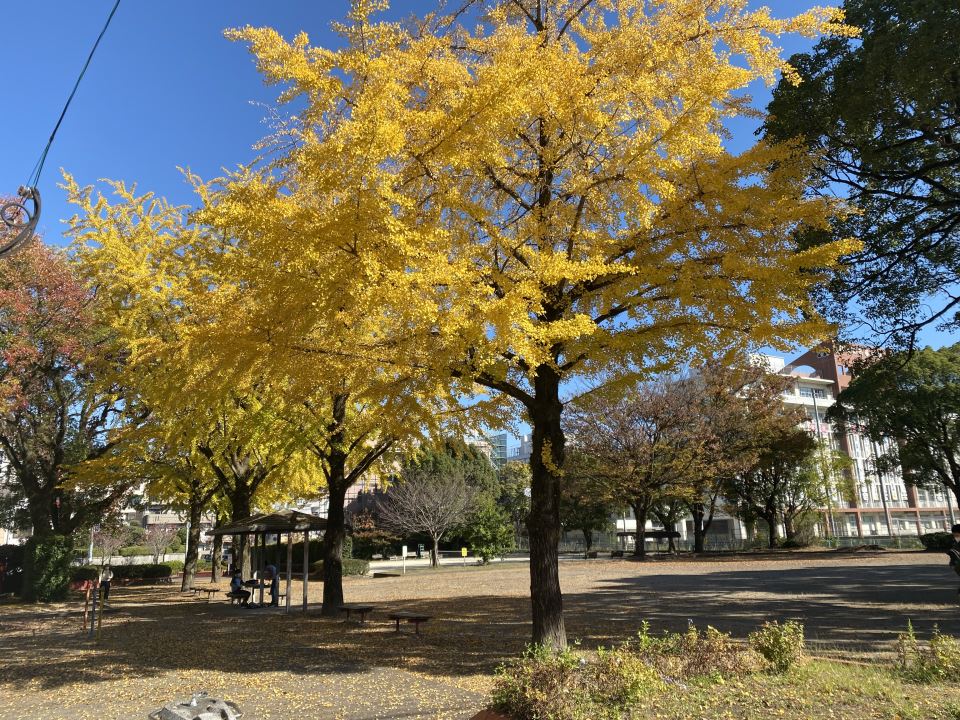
{"type": "Point", "coordinates": [411, 617]}
{"type": "Point", "coordinates": [234, 597]}
{"type": "Point", "coordinates": [361, 609]}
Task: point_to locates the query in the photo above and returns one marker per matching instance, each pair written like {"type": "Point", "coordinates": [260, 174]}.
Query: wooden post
{"type": "Point", "coordinates": [262, 564]}
{"type": "Point", "coordinates": [86, 609]}
{"type": "Point", "coordinates": [99, 614]}
{"type": "Point", "coordinates": [289, 567]}
{"type": "Point", "coordinates": [306, 566]}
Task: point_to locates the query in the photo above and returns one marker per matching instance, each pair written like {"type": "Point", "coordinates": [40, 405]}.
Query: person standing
{"type": "Point", "coordinates": [274, 576]}
{"type": "Point", "coordinates": [106, 576]}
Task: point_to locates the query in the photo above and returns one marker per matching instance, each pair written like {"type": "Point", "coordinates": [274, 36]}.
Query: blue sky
{"type": "Point", "coordinates": [164, 90]}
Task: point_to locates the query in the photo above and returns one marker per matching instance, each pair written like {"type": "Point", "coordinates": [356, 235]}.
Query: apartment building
{"type": "Point", "coordinates": [883, 504]}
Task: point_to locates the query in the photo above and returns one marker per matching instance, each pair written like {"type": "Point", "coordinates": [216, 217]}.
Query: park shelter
{"type": "Point", "coordinates": [279, 523]}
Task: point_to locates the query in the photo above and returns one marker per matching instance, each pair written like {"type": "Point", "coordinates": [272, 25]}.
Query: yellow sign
{"type": "Point", "coordinates": [463, 552]}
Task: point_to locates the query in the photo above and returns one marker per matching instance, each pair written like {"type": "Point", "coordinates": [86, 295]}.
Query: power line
{"type": "Point", "coordinates": [38, 168]}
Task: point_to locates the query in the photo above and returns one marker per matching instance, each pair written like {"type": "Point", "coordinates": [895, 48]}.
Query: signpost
{"type": "Point", "coordinates": [403, 554]}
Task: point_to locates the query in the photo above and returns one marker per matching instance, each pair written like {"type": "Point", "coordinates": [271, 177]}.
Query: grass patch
{"type": "Point", "coordinates": [813, 689]}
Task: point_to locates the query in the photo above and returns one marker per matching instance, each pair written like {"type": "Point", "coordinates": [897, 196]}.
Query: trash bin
{"type": "Point", "coordinates": [199, 707]}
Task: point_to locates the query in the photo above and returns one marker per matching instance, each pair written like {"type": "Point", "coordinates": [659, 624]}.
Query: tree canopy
{"type": "Point", "coordinates": [881, 115]}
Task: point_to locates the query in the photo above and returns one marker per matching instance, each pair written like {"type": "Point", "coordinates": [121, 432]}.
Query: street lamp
{"type": "Point", "coordinates": [19, 219]}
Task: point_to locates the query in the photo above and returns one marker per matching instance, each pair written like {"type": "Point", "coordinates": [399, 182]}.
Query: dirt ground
{"type": "Point", "coordinates": [157, 644]}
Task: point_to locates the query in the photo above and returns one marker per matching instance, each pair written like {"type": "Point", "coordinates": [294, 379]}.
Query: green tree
{"type": "Point", "coordinates": [582, 508]}
{"type": "Point", "coordinates": [913, 400]}
{"type": "Point", "coordinates": [882, 115]}
{"type": "Point", "coordinates": [515, 495]}
{"type": "Point", "coordinates": [789, 479]}
{"type": "Point", "coordinates": [489, 530]}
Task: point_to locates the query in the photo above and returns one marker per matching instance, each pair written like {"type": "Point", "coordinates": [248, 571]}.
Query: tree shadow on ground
{"type": "Point", "coordinates": [857, 609]}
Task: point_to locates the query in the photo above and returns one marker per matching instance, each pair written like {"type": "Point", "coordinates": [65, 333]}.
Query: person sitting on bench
{"type": "Point", "coordinates": [236, 589]}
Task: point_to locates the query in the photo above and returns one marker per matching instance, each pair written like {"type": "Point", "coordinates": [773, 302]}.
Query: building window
{"type": "Point", "coordinates": [812, 393]}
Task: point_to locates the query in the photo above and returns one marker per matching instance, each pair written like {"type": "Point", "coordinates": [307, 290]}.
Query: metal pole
{"type": "Point", "coordinates": [306, 567]}
{"type": "Point", "coordinates": [289, 567]}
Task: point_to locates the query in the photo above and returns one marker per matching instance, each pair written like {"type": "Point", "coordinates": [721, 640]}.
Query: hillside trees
{"type": "Point", "coordinates": [542, 196]}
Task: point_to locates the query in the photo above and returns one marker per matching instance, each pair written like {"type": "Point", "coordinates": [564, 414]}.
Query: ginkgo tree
{"type": "Point", "coordinates": [203, 440]}
{"type": "Point", "coordinates": [543, 195]}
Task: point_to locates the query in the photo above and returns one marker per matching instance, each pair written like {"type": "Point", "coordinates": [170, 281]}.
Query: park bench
{"type": "Point", "coordinates": [360, 608]}
{"type": "Point", "coordinates": [411, 617]}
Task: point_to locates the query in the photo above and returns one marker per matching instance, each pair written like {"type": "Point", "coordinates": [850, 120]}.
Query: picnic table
{"type": "Point", "coordinates": [210, 591]}
{"type": "Point", "coordinates": [361, 609]}
{"type": "Point", "coordinates": [411, 617]}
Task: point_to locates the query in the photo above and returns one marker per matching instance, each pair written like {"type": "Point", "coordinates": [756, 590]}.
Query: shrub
{"type": "Point", "coordinates": [147, 571]}
{"type": "Point", "coordinates": [937, 541]}
{"type": "Point", "coordinates": [793, 544]}
{"type": "Point", "coordinates": [47, 568]}
{"type": "Point", "coordinates": [85, 573]}
{"type": "Point", "coordinates": [939, 660]}
{"type": "Point", "coordinates": [543, 685]}
{"type": "Point", "coordinates": [13, 576]}
{"type": "Point", "coordinates": [621, 678]}
{"type": "Point", "coordinates": [781, 645]}
{"type": "Point", "coordinates": [155, 572]}
{"type": "Point", "coordinates": [694, 654]}
{"type": "Point", "coordinates": [351, 566]}
{"type": "Point", "coordinates": [135, 551]}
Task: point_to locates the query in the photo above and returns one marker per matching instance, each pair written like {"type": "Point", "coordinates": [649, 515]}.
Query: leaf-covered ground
{"type": "Point", "coordinates": [157, 644]}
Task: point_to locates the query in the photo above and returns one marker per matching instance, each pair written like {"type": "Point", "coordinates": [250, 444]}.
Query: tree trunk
{"type": "Point", "coordinates": [772, 531]}
{"type": "Point", "coordinates": [336, 522]}
{"type": "Point", "coordinates": [240, 502]}
{"type": "Point", "coordinates": [699, 532]}
{"type": "Point", "coordinates": [788, 528]}
{"type": "Point", "coordinates": [640, 517]}
{"type": "Point", "coordinates": [216, 559]}
{"type": "Point", "coordinates": [543, 523]}
{"type": "Point", "coordinates": [333, 537]}
{"type": "Point", "coordinates": [193, 547]}
{"type": "Point", "coordinates": [435, 551]}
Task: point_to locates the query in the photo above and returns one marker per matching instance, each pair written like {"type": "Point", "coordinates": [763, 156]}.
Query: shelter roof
{"type": "Point", "coordinates": [277, 522]}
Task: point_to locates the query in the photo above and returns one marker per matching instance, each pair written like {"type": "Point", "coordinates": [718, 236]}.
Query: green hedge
{"type": "Point", "coordinates": [937, 541]}
{"type": "Point", "coordinates": [351, 566]}
{"type": "Point", "coordinates": [147, 572]}
{"type": "Point", "coordinates": [47, 568]}
{"type": "Point", "coordinates": [85, 573]}
{"type": "Point", "coordinates": [135, 550]}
